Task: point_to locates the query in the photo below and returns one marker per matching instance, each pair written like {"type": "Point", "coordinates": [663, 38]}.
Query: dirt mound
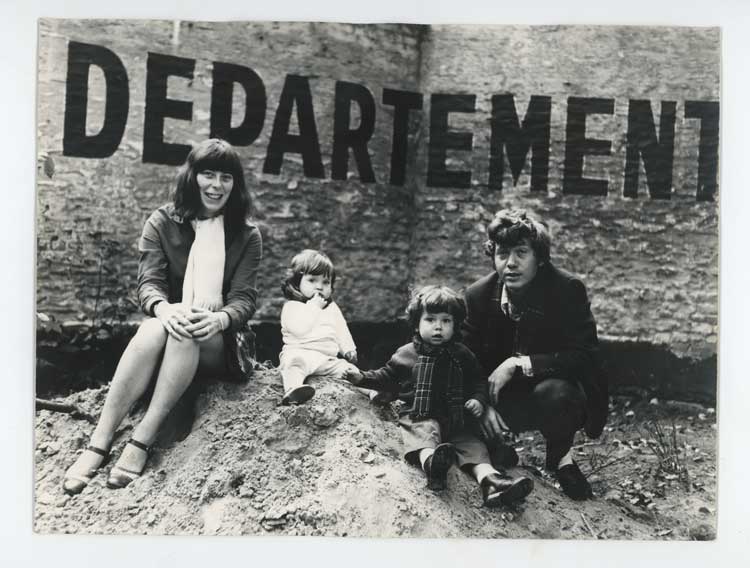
{"type": "Point", "coordinates": [331, 467]}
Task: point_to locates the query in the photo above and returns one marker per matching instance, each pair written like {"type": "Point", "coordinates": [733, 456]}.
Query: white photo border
{"type": "Point", "coordinates": [23, 548]}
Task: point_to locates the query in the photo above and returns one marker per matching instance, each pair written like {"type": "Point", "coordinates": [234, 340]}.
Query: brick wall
{"type": "Point", "coordinates": [650, 265]}
{"type": "Point", "coordinates": [95, 208]}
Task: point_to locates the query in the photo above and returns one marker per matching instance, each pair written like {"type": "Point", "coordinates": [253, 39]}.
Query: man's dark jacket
{"type": "Point", "coordinates": [557, 331]}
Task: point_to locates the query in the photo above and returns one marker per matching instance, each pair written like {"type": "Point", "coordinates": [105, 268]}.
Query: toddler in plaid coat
{"type": "Point", "coordinates": [439, 380]}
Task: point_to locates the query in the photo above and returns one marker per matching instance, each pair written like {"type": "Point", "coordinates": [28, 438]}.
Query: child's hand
{"type": "Point", "coordinates": [351, 356]}
{"type": "Point", "coordinates": [354, 377]}
{"type": "Point", "coordinates": [475, 407]}
{"type": "Point", "coordinates": [317, 301]}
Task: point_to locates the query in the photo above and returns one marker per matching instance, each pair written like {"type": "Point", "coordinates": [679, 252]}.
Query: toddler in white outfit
{"type": "Point", "coordinates": [313, 328]}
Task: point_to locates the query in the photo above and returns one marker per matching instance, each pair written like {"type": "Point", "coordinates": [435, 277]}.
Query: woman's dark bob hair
{"type": "Point", "coordinates": [433, 300]}
{"type": "Point", "coordinates": [307, 262]}
{"type": "Point", "coordinates": [217, 155]}
{"type": "Point", "coordinates": [512, 226]}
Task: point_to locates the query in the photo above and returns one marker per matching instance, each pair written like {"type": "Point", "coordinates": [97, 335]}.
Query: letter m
{"type": "Point", "coordinates": [517, 139]}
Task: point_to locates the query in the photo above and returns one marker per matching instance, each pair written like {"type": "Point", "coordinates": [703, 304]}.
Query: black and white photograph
{"type": "Point", "coordinates": [380, 279]}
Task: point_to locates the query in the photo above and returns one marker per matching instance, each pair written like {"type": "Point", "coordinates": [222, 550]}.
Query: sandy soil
{"type": "Point", "coordinates": [233, 462]}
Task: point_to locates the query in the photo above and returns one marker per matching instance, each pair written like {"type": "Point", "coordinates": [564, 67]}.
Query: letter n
{"type": "Point", "coordinates": [658, 155]}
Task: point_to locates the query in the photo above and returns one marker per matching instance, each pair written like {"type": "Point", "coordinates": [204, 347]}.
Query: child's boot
{"type": "Point", "coordinates": [437, 465]}
{"type": "Point", "coordinates": [501, 489]}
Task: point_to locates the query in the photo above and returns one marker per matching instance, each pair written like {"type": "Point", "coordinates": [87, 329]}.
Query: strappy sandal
{"type": "Point", "coordinates": [119, 476]}
{"type": "Point", "coordinates": [74, 482]}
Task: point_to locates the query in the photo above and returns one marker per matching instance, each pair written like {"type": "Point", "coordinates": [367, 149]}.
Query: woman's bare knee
{"type": "Point", "coordinates": [182, 345]}
{"type": "Point", "coordinates": [151, 336]}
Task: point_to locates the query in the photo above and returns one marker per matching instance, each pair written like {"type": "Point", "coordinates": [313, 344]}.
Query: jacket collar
{"type": "Point", "coordinates": [533, 300]}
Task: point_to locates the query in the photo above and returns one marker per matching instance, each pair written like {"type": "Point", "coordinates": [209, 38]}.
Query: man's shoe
{"type": "Point", "coordinates": [503, 456]}
{"type": "Point", "coordinates": [437, 465]}
{"type": "Point", "coordinates": [573, 482]}
{"type": "Point", "coordinates": [501, 489]}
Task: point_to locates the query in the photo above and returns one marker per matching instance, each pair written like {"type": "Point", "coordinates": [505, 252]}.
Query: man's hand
{"type": "Point", "coordinates": [500, 377]}
{"type": "Point", "coordinates": [475, 407]}
{"type": "Point", "coordinates": [491, 425]}
{"type": "Point", "coordinates": [351, 356]}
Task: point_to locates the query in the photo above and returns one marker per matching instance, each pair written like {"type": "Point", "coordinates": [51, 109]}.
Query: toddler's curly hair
{"type": "Point", "coordinates": [435, 299]}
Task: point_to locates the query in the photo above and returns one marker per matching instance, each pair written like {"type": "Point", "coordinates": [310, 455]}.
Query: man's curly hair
{"type": "Point", "coordinates": [510, 227]}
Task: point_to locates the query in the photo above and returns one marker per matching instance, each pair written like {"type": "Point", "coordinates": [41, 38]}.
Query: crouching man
{"type": "Point", "coordinates": [530, 325]}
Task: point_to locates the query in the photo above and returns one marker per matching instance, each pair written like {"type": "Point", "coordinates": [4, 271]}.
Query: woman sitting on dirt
{"type": "Point", "coordinates": [196, 280]}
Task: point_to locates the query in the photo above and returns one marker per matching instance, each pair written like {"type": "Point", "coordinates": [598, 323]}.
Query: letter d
{"type": "Point", "coordinates": [81, 56]}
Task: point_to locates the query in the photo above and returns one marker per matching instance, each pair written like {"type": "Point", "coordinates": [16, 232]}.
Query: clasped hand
{"type": "Point", "coordinates": [180, 323]}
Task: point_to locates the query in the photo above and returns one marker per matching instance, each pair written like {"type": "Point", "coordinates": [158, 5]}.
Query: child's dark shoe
{"type": "Point", "coordinates": [574, 484]}
{"type": "Point", "coordinates": [298, 395]}
{"type": "Point", "coordinates": [437, 465]}
{"type": "Point", "coordinates": [501, 489]}
{"type": "Point", "coordinates": [381, 398]}
{"type": "Point", "coordinates": [502, 456]}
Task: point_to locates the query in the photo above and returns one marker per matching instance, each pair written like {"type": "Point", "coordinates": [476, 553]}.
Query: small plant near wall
{"type": "Point", "coordinates": [670, 454]}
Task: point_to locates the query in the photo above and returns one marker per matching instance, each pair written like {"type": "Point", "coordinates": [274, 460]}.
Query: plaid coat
{"type": "Point", "coordinates": [397, 376]}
